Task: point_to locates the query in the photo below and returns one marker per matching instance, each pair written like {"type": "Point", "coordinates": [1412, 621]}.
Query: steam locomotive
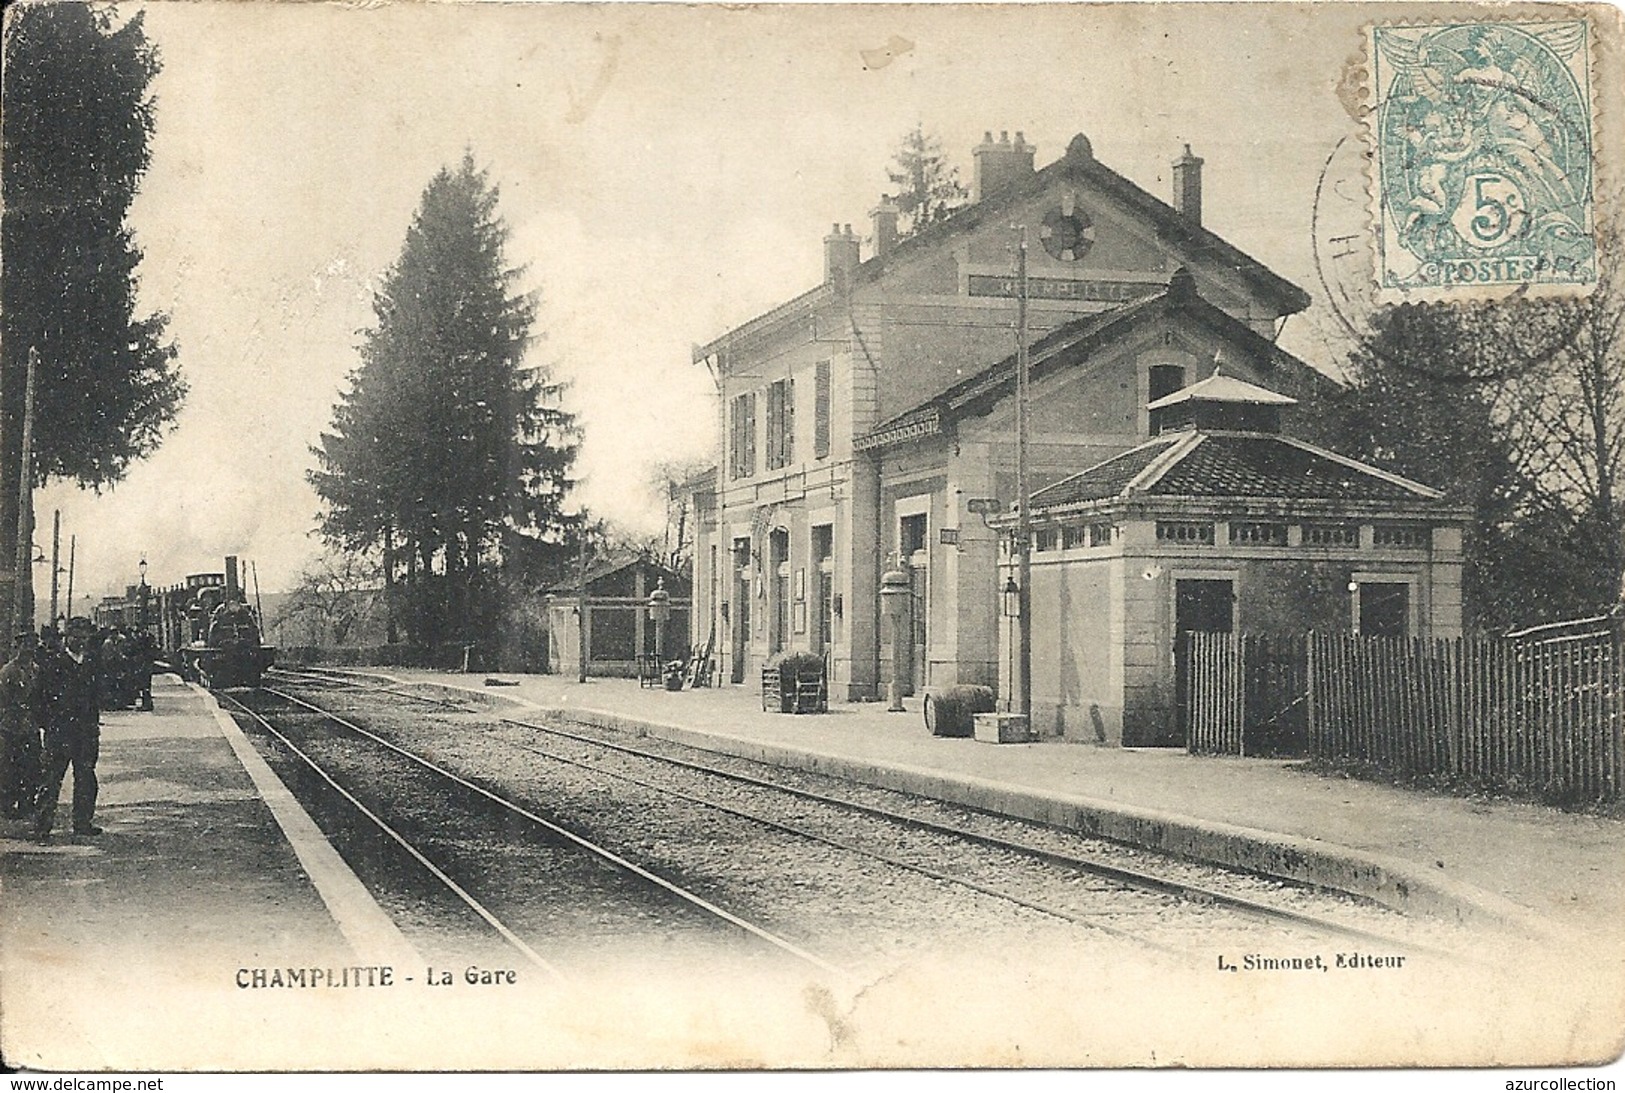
{"type": "Point", "coordinates": [205, 626]}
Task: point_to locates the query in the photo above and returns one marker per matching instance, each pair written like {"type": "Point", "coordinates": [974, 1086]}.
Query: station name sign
{"type": "Point", "coordinates": [1062, 288]}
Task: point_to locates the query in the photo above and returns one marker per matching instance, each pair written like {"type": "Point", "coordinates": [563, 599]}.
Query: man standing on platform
{"type": "Point", "coordinates": [20, 719]}
{"type": "Point", "coordinates": [72, 730]}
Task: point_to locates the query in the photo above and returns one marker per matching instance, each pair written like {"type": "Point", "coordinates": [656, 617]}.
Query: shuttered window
{"type": "Point", "coordinates": [821, 411]}
{"type": "Point", "coordinates": [781, 424]}
{"type": "Point", "coordinates": [742, 437]}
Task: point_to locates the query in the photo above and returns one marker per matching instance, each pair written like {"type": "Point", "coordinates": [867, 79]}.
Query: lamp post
{"type": "Point", "coordinates": [1012, 611]}
{"type": "Point", "coordinates": [142, 593]}
{"type": "Point", "coordinates": [659, 613]}
{"type": "Point", "coordinates": [894, 596]}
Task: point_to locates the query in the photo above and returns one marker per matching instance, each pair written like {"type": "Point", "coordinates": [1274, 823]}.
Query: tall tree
{"type": "Point", "coordinates": [75, 132]}
{"type": "Point", "coordinates": [446, 441]}
{"type": "Point", "coordinates": [928, 186]}
{"type": "Point", "coordinates": [1517, 409]}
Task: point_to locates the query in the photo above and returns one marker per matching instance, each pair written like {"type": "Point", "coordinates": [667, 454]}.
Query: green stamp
{"type": "Point", "coordinates": [1482, 137]}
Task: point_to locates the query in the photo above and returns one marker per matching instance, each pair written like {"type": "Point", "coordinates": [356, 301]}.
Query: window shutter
{"type": "Point", "coordinates": [750, 434]}
{"type": "Point", "coordinates": [788, 455]}
{"type": "Point", "coordinates": [821, 411]}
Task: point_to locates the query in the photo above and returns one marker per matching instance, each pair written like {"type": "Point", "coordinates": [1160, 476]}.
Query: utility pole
{"type": "Point", "coordinates": [73, 542]}
{"type": "Point", "coordinates": [23, 603]}
{"type": "Point", "coordinates": [581, 604]}
{"type": "Point", "coordinates": [56, 553]}
{"type": "Point", "coordinates": [1024, 624]}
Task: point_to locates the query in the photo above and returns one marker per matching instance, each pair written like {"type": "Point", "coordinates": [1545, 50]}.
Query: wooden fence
{"type": "Point", "coordinates": [1245, 693]}
{"type": "Point", "coordinates": [1539, 714]}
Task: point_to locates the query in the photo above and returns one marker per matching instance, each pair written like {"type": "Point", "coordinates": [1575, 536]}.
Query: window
{"type": "Point", "coordinates": [1402, 536]}
{"type": "Point", "coordinates": [1184, 531]}
{"type": "Point", "coordinates": [1165, 379]}
{"type": "Point", "coordinates": [1046, 538]}
{"type": "Point", "coordinates": [742, 437]}
{"type": "Point", "coordinates": [1073, 536]}
{"type": "Point", "coordinates": [1100, 535]}
{"type": "Point", "coordinates": [911, 535]}
{"type": "Point", "coordinates": [821, 399]}
{"type": "Point", "coordinates": [1256, 533]}
{"type": "Point", "coordinates": [1331, 535]}
{"type": "Point", "coordinates": [781, 424]}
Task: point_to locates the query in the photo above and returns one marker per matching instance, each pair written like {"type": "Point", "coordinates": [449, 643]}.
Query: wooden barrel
{"type": "Point", "coordinates": [951, 712]}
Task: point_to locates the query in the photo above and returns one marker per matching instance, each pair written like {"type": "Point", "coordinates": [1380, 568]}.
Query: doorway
{"type": "Point", "coordinates": [1201, 605]}
{"type": "Point", "coordinates": [1383, 609]}
{"type": "Point", "coordinates": [823, 589]}
{"type": "Point", "coordinates": [739, 625]}
{"type": "Point", "coordinates": [778, 553]}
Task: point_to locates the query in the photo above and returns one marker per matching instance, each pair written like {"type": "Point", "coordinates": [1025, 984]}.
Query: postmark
{"type": "Point", "coordinates": [1481, 138]}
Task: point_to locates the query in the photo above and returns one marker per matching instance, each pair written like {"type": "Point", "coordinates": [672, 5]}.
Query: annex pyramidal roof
{"type": "Point", "coordinates": [1241, 466]}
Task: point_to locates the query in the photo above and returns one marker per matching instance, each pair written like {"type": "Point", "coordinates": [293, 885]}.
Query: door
{"type": "Point", "coordinates": [779, 569]}
{"type": "Point", "coordinates": [823, 588]}
{"type": "Point", "coordinates": [739, 624]}
{"type": "Point", "coordinates": [1200, 605]}
{"type": "Point", "coordinates": [1385, 609]}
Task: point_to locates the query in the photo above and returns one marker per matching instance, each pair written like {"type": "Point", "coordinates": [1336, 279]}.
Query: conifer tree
{"type": "Point", "coordinates": [446, 441]}
{"type": "Point", "coordinates": [928, 186]}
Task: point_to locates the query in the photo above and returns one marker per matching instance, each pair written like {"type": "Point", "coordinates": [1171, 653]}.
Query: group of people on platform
{"type": "Point", "coordinates": [52, 691]}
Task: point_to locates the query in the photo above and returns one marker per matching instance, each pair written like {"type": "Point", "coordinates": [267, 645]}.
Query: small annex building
{"type": "Point", "coordinates": [1218, 523]}
{"type": "Point", "coordinates": [618, 629]}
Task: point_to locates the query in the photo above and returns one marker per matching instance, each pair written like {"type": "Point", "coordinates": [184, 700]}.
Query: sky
{"type": "Point", "coordinates": [667, 172]}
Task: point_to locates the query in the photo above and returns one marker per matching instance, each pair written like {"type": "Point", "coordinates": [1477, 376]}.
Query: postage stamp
{"type": "Point", "coordinates": [1482, 142]}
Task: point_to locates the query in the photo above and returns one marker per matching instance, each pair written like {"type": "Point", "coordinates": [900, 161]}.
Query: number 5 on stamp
{"type": "Point", "coordinates": [1481, 140]}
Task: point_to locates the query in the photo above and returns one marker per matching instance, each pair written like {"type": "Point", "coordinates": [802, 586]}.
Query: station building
{"type": "Point", "coordinates": [859, 420]}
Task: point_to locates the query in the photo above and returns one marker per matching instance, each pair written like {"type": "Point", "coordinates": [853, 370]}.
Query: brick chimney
{"type": "Point", "coordinates": [1188, 187]}
{"type": "Point", "coordinates": [884, 217]}
{"type": "Point", "coordinates": [998, 165]}
{"type": "Point", "coordinates": [840, 253]}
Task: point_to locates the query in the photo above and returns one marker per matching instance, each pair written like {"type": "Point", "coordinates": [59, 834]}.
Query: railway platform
{"type": "Point", "coordinates": [206, 874]}
{"type": "Point", "coordinates": [1532, 869]}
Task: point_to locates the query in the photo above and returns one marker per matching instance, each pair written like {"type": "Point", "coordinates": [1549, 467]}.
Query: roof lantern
{"type": "Point", "coordinates": [1219, 403]}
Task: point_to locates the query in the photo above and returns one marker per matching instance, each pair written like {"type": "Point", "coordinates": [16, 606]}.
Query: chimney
{"type": "Point", "coordinates": [840, 253]}
{"type": "Point", "coordinates": [1188, 187]}
{"type": "Point", "coordinates": [884, 217]}
{"type": "Point", "coordinates": [998, 165]}
{"type": "Point", "coordinates": [231, 576]}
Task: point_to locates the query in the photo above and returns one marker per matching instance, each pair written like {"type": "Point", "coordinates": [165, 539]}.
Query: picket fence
{"type": "Point", "coordinates": [1538, 714]}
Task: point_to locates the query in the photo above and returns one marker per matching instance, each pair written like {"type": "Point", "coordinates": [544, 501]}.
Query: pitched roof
{"type": "Point", "coordinates": [609, 566]}
{"type": "Point", "coordinates": [1078, 164]}
{"type": "Point", "coordinates": [977, 394]}
{"type": "Point", "coordinates": [1232, 465]}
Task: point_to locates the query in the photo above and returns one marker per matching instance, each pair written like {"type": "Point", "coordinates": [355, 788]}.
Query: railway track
{"type": "Point", "coordinates": [458, 839]}
{"type": "Point", "coordinates": [1036, 869]}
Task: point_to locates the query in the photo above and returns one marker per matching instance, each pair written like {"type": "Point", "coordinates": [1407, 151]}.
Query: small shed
{"type": "Point", "coordinates": [1218, 523]}
{"type": "Point", "coordinates": [618, 628]}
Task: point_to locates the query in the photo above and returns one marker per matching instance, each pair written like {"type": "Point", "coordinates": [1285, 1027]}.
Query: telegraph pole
{"type": "Point", "coordinates": [23, 603]}
{"type": "Point", "coordinates": [56, 553]}
{"type": "Point", "coordinates": [581, 605]}
{"type": "Point", "coordinates": [1024, 624]}
{"type": "Point", "coordinates": [73, 542]}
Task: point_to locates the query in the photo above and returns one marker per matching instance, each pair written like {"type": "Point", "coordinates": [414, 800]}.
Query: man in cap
{"type": "Point", "coordinates": [20, 719]}
{"type": "Point", "coordinates": [72, 730]}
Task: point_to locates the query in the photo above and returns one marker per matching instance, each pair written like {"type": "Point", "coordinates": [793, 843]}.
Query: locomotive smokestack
{"type": "Point", "coordinates": [232, 586]}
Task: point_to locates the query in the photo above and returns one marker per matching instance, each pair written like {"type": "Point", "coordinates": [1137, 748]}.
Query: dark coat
{"type": "Point", "coordinates": [69, 692]}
